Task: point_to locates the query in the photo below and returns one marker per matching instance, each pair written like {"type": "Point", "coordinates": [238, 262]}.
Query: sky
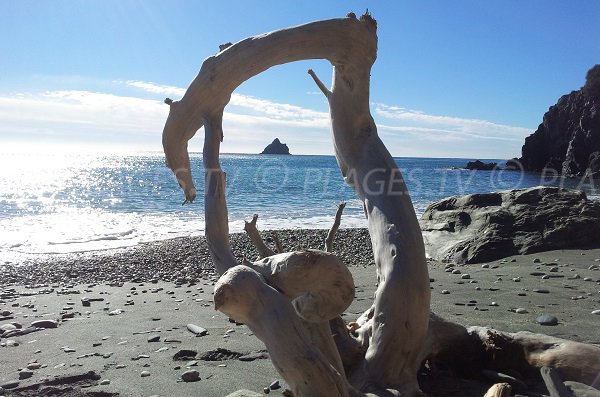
{"type": "Point", "coordinates": [464, 78]}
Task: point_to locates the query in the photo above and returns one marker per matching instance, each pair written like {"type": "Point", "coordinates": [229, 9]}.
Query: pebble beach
{"type": "Point", "coordinates": [140, 321]}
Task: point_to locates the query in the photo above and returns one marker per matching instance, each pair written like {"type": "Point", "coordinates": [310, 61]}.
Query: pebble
{"type": "Point", "coordinates": [541, 290]}
{"type": "Point", "coordinates": [456, 271]}
{"type": "Point", "coordinates": [45, 324]}
{"type": "Point", "coordinates": [254, 356]}
{"type": "Point", "coordinates": [190, 376]}
{"type": "Point", "coordinates": [144, 374]}
{"type": "Point", "coordinates": [465, 276]}
{"type": "Point", "coordinates": [275, 385]}
{"type": "Point", "coordinates": [547, 319]}
{"type": "Point", "coordinates": [445, 292]}
{"type": "Point", "coordinates": [494, 304]}
{"type": "Point", "coordinates": [154, 338]}
{"type": "Point", "coordinates": [516, 279]}
{"type": "Point", "coordinates": [10, 385]}
{"type": "Point", "coordinates": [116, 312]}
{"type": "Point", "coordinates": [25, 374]}
{"type": "Point", "coordinates": [520, 310]}
{"type": "Point", "coordinates": [197, 330]}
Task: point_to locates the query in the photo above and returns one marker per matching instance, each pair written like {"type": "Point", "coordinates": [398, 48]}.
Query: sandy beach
{"type": "Point", "coordinates": [117, 321]}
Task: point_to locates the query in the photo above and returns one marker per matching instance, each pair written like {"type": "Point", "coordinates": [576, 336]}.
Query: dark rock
{"type": "Point", "coordinates": [190, 376]}
{"type": "Point", "coordinates": [513, 165]}
{"type": "Point", "coordinates": [185, 355]}
{"type": "Point", "coordinates": [25, 374]}
{"type": "Point", "coordinates": [547, 319]}
{"type": "Point", "coordinates": [10, 385]}
{"type": "Point", "coordinates": [568, 140]}
{"type": "Point", "coordinates": [153, 338]}
{"type": "Point", "coordinates": [486, 227]}
{"type": "Point", "coordinates": [45, 324]}
{"type": "Point", "coordinates": [481, 166]}
{"type": "Point", "coordinates": [276, 147]}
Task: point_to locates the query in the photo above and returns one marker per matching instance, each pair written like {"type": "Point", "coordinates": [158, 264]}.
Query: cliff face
{"type": "Point", "coordinates": [276, 147]}
{"type": "Point", "coordinates": [568, 140]}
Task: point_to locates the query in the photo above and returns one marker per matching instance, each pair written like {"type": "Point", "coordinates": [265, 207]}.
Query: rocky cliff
{"type": "Point", "coordinates": [276, 147]}
{"type": "Point", "coordinates": [568, 140]}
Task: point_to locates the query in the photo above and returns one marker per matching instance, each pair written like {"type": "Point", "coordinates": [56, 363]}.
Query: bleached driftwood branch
{"type": "Point", "coordinates": [254, 235]}
{"type": "Point", "coordinates": [334, 228]}
{"type": "Point", "coordinates": [288, 299]}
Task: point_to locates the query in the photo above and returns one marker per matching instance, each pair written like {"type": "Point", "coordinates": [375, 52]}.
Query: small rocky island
{"type": "Point", "coordinates": [276, 147]}
{"type": "Point", "coordinates": [568, 140]}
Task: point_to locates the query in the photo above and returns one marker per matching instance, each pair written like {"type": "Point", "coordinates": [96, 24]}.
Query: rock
{"type": "Point", "coordinates": [485, 227]}
{"type": "Point", "coordinates": [10, 385]}
{"type": "Point", "coordinates": [33, 366]}
{"type": "Point", "coordinates": [45, 324]}
{"type": "Point", "coordinates": [275, 385]}
{"type": "Point", "coordinates": [7, 327]}
{"type": "Point", "coordinates": [520, 310]}
{"type": "Point", "coordinates": [276, 147]}
{"type": "Point", "coordinates": [254, 356]}
{"type": "Point", "coordinates": [596, 312]}
{"type": "Point", "coordinates": [25, 374]}
{"type": "Point", "coordinates": [568, 139]}
{"type": "Point", "coordinates": [541, 290]}
{"type": "Point", "coordinates": [105, 382]}
{"type": "Point", "coordinates": [481, 166]}
{"type": "Point", "coordinates": [154, 338]}
{"type": "Point", "coordinates": [190, 376]}
{"type": "Point", "coordinates": [547, 319]}
{"type": "Point", "coordinates": [144, 374]}
{"type": "Point", "coordinates": [197, 330]}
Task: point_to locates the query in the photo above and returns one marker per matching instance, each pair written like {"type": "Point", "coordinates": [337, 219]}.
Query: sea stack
{"type": "Point", "coordinates": [276, 147]}
{"type": "Point", "coordinates": [568, 140]}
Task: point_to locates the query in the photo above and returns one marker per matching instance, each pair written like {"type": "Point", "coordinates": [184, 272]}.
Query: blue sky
{"type": "Point", "coordinates": [452, 79]}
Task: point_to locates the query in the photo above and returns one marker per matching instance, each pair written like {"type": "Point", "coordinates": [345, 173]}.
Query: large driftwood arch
{"type": "Point", "coordinates": [290, 300]}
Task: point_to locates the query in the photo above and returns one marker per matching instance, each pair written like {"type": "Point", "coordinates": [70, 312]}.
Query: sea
{"type": "Point", "coordinates": [57, 203]}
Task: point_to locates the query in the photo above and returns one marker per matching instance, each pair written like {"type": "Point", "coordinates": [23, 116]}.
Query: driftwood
{"type": "Point", "coordinates": [292, 301]}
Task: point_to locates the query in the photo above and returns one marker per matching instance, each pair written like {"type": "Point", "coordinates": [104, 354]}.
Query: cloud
{"type": "Point", "coordinates": [155, 88]}
{"type": "Point", "coordinates": [446, 127]}
{"type": "Point", "coordinates": [249, 123]}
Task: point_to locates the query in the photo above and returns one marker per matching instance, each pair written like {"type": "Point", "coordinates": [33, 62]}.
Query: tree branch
{"type": "Point", "coordinates": [252, 231]}
{"type": "Point", "coordinates": [334, 228]}
{"type": "Point", "coordinates": [319, 83]}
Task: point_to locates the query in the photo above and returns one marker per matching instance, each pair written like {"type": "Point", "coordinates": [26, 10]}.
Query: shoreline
{"type": "Point", "coordinates": [183, 258]}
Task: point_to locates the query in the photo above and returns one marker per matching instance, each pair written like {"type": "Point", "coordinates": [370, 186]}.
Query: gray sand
{"type": "Point", "coordinates": [170, 284]}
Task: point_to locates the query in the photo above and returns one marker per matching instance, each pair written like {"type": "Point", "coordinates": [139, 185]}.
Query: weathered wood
{"type": "Point", "coordinates": [334, 228]}
{"type": "Point", "coordinates": [287, 299]}
{"type": "Point", "coordinates": [254, 235]}
{"type": "Point", "coordinates": [554, 384]}
{"type": "Point", "coordinates": [499, 390]}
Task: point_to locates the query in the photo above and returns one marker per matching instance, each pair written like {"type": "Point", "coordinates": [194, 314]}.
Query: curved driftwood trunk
{"type": "Point", "coordinates": [399, 324]}
{"type": "Point", "coordinates": [292, 301]}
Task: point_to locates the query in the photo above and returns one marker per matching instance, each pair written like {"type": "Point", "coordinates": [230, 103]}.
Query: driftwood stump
{"type": "Point", "coordinates": [292, 301]}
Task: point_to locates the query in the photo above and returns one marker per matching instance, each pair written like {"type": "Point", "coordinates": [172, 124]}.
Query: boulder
{"type": "Point", "coordinates": [484, 227]}
{"type": "Point", "coordinates": [567, 138]}
{"type": "Point", "coordinates": [276, 147]}
{"type": "Point", "coordinates": [481, 166]}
